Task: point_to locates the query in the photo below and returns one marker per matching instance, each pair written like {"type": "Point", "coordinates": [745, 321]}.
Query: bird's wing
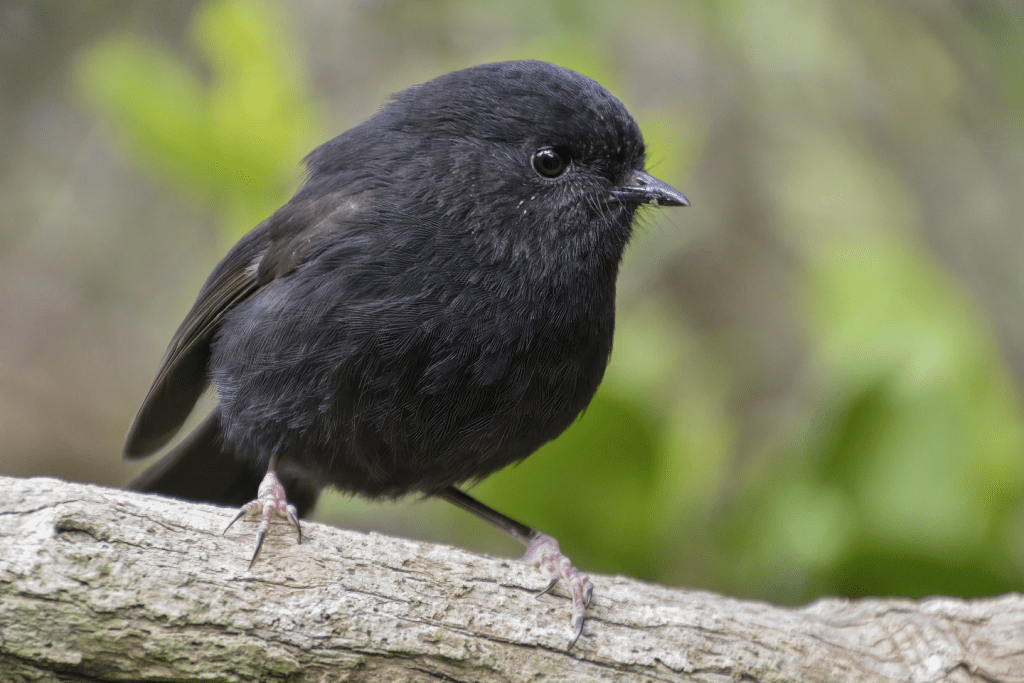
{"type": "Point", "coordinates": [182, 376]}
{"type": "Point", "coordinates": [271, 250]}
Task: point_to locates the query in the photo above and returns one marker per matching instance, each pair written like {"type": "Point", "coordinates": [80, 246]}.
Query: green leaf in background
{"type": "Point", "coordinates": [908, 480]}
{"type": "Point", "coordinates": [907, 477]}
{"type": "Point", "coordinates": [232, 139]}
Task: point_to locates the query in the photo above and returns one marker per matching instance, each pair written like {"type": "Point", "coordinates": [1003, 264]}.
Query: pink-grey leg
{"type": "Point", "coordinates": [271, 501]}
{"type": "Point", "coordinates": [541, 551]}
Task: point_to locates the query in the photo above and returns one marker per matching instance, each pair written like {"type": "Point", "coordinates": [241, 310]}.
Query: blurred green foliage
{"type": "Point", "coordinates": [232, 138]}
{"type": "Point", "coordinates": [902, 473]}
{"type": "Point", "coordinates": [909, 481]}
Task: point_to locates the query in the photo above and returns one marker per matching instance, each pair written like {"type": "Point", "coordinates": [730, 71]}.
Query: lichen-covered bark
{"type": "Point", "coordinates": [105, 585]}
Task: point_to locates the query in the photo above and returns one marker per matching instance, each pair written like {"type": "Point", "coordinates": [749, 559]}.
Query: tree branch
{"type": "Point", "coordinates": [100, 585]}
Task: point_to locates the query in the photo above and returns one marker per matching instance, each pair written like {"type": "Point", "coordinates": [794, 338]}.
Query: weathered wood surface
{"type": "Point", "coordinates": [104, 585]}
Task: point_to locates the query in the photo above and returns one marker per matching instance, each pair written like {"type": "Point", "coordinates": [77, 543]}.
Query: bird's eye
{"type": "Point", "coordinates": [550, 162]}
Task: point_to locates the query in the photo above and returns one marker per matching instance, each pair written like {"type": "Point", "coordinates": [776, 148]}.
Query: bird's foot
{"type": "Point", "coordinates": [270, 501]}
{"type": "Point", "coordinates": [544, 552]}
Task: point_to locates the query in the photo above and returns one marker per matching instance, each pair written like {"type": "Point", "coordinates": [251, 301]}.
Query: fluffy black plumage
{"type": "Point", "coordinates": [436, 302]}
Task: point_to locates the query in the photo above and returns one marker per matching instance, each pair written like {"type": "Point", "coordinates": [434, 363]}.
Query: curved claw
{"type": "Point", "coordinates": [260, 535]}
{"type": "Point", "coordinates": [293, 519]}
{"type": "Point", "coordinates": [551, 584]}
{"type": "Point", "coordinates": [246, 509]}
{"type": "Point", "coordinates": [577, 632]}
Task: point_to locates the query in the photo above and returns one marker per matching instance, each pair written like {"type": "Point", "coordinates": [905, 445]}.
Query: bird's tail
{"type": "Point", "coordinates": [202, 469]}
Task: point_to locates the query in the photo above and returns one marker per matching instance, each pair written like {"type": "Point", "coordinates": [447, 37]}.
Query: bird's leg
{"type": "Point", "coordinates": [270, 500]}
{"type": "Point", "coordinates": [541, 551]}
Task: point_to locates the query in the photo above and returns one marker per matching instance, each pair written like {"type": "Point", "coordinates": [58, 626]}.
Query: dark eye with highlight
{"type": "Point", "coordinates": [550, 162]}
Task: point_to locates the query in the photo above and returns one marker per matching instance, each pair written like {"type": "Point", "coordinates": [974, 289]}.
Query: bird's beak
{"type": "Point", "coordinates": [646, 189]}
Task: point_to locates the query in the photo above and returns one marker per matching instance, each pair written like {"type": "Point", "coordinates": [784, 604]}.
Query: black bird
{"type": "Point", "coordinates": [436, 302]}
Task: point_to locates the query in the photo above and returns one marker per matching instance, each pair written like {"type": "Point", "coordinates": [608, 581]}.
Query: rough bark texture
{"type": "Point", "coordinates": [105, 585]}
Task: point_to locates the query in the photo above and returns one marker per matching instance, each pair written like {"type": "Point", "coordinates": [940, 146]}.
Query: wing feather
{"type": "Point", "coordinates": [274, 248]}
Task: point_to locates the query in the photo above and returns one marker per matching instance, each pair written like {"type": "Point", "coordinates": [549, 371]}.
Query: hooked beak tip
{"type": "Point", "coordinates": [644, 188]}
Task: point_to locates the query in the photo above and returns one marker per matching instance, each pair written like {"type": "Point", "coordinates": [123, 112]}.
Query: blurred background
{"type": "Point", "coordinates": [816, 385]}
